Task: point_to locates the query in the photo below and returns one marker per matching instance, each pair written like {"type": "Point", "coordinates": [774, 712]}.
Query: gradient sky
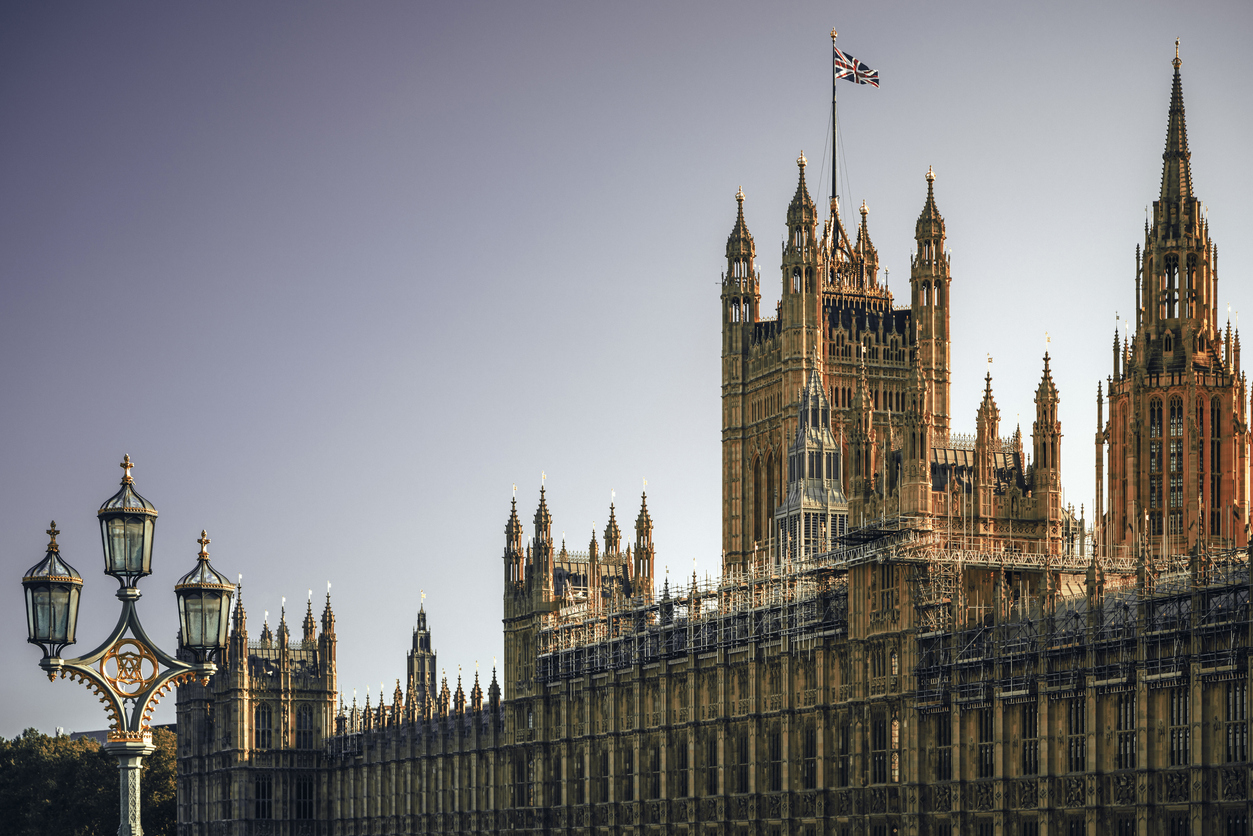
{"type": "Point", "coordinates": [338, 275]}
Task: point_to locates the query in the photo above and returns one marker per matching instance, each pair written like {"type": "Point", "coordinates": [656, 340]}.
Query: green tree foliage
{"type": "Point", "coordinates": [58, 785]}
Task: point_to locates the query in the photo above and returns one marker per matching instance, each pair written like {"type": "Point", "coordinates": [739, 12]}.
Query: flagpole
{"type": "Point", "coordinates": [834, 134]}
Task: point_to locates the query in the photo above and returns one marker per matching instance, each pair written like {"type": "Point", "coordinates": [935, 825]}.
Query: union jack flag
{"type": "Point", "coordinates": [846, 66]}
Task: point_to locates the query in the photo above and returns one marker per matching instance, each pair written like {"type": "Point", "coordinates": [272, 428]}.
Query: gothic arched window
{"type": "Point", "coordinates": [262, 726]}
{"type": "Point", "coordinates": [304, 727]}
{"type": "Point", "coordinates": [759, 501]}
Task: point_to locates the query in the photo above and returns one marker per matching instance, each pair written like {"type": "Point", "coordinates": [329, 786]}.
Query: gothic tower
{"type": "Point", "coordinates": [1177, 433]}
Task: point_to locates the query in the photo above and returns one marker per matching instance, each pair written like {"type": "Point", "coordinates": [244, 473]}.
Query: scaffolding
{"type": "Point", "coordinates": [806, 599]}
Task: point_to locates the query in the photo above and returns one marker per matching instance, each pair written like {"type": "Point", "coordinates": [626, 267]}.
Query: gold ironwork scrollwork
{"type": "Point", "coordinates": [129, 666]}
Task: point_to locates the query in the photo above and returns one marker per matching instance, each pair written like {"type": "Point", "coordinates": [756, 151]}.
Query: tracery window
{"type": "Point", "coordinates": [1156, 500]}
{"type": "Point", "coordinates": [304, 727]}
{"type": "Point", "coordinates": [1176, 466]}
{"type": "Point", "coordinates": [263, 796]}
{"type": "Point", "coordinates": [262, 726]}
{"type": "Point", "coordinates": [1180, 732]}
{"type": "Point", "coordinates": [809, 758]}
{"type": "Point", "coordinates": [1076, 735]}
{"type": "Point", "coordinates": [943, 737]}
{"type": "Point", "coordinates": [1126, 755]}
{"type": "Point", "coordinates": [1030, 739]}
{"type": "Point", "coordinates": [1215, 467]}
{"type": "Point", "coordinates": [1237, 722]}
{"type": "Point", "coordinates": [983, 723]}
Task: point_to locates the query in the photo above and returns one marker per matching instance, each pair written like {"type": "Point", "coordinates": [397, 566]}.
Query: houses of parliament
{"type": "Point", "coordinates": [912, 634]}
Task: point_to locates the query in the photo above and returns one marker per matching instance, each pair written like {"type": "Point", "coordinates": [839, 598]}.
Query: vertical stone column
{"type": "Point", "coordinates": [130, 756]}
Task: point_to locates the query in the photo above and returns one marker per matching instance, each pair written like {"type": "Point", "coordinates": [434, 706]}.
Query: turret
{"type": "Point", "coordinates": [930, 280]}
{"type": "Point", "coordinates": [987, 439]}
{"type": "Point", "coordinates": [310, 628]}
{"type": "Point", "coordinates": [741, 290]}
{"type": "Point", "coordinates": [513, 555]}
{"type": "Point", "coordinates": [644, 554]}
{"type": "Point", "coordinates": [1046, 435]}
{"type": "Point", "coordinates": [866, 252]}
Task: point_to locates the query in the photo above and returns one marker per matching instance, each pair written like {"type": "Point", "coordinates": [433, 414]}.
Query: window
{"type": "Point", "coordinates": [1029, 828]}
{"type": "Point", "coordinates": [628, 774]}
{"type": "Point", "coordinates": [1170, 284]}
{"type": "Point", "coordinates": [894, 751]}
{"type": "Point", "coordinates": [262, 734]}
{"type": "Point", "coordinates": [843, 748]}
{"type": "Point", "coordinates": [879, 749]}
{"type": "Point", "coordinates": [678, 773]}
{"type": "Point", "coordinates": [1125, 758]}
{"type": "Point", "coordinates": [809, 758]}
{"type": "Point", "coordinates": [304, 727]}
{"type": "Point", "coordinates": [711, 765]}
{"type": "Point", "coordinates": [1156, 499]}
{"type": "Point", "coordinates": [1126, 827]}
{"type": "Point", "coordinates": [1176, 466]}
{"type": "Point", "coordinates": [1215, 468]}
{"type": "Point", "coordinates": [1076, 736]}
{"type": "Point", "coordinates": [304, 796]}
{"type": "Point", "coordinates": [1180, 734]}
{"type": "Point", "coordinates": [1237, 727]}
{"type": "Point", "coordinates": [653, 781]}
{"type": "Point", "coordinates": [983, 719]}
{"type": "Point", "coordinates": [774, 761]}
{"type": "Point", "coordinates": [263, 794]}
{"type": "Point", "coordinates": [578, 790]}
{"type": "Point", "coordinates": [1237, 824]}
{"type": "Point", "coordinates": [1030, 739]}
{"type": "Point", "coordinates": [741, 762]}
{"type": "Point", "coordinates": [1179, 826]}
{"type": "Point", "coordinates": [943, 744]}
{"type": "Point", "coordinates": [600, 779]}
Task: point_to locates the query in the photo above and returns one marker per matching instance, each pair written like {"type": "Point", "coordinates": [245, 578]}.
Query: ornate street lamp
{"type": "Point", "coordinates": [127, 522]}
{"type": "Point", "coordinates": [204, 604]}
{"type": "Point", "coordinates": [128, 672]}
{"type": "Point", "coordinates": [52, 588]}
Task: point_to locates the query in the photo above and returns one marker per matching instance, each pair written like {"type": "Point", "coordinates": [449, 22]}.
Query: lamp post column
{"type": "Point", "coordinates": [130, 757]}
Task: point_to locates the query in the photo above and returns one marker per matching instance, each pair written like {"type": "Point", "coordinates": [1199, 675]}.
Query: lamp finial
{"type": "Point", "coordinates": [52, 537]}
{"type": "Point", "coordinates": [126, 466]}
{"type": "Point", "coordinates": [204, 542]}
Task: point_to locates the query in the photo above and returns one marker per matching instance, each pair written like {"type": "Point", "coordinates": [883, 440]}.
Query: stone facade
{"type": "Point", "coordinates": [917, 637]}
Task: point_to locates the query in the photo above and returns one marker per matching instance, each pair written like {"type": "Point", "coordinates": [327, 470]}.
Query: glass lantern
{"type": "Point", "coordinates": [52, 588]}
{"type": "Point", "coordinates": [127, 521]}
{"type": "Point", "coordinates": [204, 606]}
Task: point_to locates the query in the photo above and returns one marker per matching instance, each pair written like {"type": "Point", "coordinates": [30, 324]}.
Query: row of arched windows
{"type": "Point", "coordinates": [264, 727]}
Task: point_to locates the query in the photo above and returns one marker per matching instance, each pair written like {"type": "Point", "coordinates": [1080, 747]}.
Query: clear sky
{"type": "Point", "coordinates": [337, 276]}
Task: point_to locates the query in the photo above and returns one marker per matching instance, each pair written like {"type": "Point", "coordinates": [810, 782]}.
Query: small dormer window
{"type": "Point", "coordinates": [1169, 344]}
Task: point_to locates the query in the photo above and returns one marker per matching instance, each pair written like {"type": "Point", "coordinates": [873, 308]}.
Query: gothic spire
{"type": "Point", "coordinates": [801, 211]}
{"type": "Point", "coordinates": [310, 626]}
{"type": "Point", "coordinates": [543, 519]}
{"type": "Point", "coordinates": [930, 222]}
{"type": "Point", "coordinates": [1176, 165]}
{"type": "Point", "coordinates": [740, 241]}
{"type": "Point", "coordinates": [240, 625]}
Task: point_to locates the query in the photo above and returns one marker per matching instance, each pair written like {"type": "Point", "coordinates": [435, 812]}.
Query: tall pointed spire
{"type": "Point", "coordinates": [801, 211]}
{"type": "Point", "coordinates": [1176, 165]}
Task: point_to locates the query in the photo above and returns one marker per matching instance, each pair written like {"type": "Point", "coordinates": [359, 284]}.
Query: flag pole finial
{"type": "Point", "coordinates": [1177, 62]}
{"type": "Point", "coordinates": [833, 35]}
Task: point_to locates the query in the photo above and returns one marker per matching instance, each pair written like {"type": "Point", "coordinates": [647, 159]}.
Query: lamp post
{"type": "Point", "coordinates": [128, 672]}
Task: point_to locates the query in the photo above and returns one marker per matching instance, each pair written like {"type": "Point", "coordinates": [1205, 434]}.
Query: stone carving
{"type": "Point", "coordinates": [1233, 784]}
{"type": "Point", "coordinates": [1073, 792]}
{"type": "Point", "coordinates": [878, 801]}
{"type": "Point", "coordinates": [1027, 794]}
{"type": "Point", "coordinates": [1124, 789]}
{"type": "Point", "coordinates": [1174, 787]}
